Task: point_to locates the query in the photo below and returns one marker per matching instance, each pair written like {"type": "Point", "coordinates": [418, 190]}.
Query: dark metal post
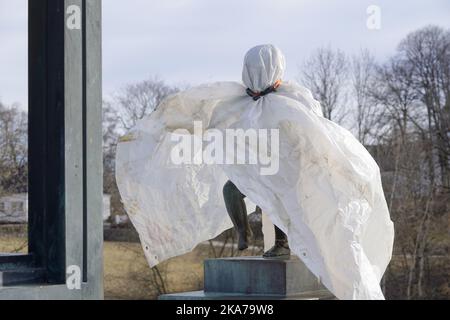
{"type": "Point", "coordinates": [65, 149]}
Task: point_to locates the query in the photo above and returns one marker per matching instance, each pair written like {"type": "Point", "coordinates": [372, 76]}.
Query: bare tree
{"type": "Point", "coordinates": [325, 74]}
{"type": "Point", "coordinates": [428, 52]}
{"type": "Point", "coordinates": [368, 113]}
{"type": "Point", "coordinates": [413, 89]}
{"type": "Point", "coordinates": [13, 149]}
{"type": "Point", "coordinates": [137, 100]}
{"type": "Point", "coordinates": [394, 91]}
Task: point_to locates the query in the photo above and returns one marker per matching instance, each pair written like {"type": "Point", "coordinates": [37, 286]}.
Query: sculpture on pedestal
{"type": "Point", "coordinates": [323, 189]}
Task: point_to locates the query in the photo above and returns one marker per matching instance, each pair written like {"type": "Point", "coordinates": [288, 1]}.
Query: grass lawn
{"type": "Point", "coordinates": [128, 276]}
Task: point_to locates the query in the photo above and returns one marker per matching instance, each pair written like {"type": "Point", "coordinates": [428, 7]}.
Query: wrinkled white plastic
{"type": "Point", "coordinates": [327, 196]}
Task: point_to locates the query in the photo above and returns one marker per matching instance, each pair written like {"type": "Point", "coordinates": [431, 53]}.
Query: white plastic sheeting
{"type": "Point", "coordinates": [327, 195]}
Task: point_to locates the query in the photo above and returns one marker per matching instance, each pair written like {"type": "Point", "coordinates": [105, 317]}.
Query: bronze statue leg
{"type": "Point", "coordinates": [235, 204]}
{"type": "Point", "coordinates": [280, 235]}
{"type": "Point", "coordinates": [281, 248]}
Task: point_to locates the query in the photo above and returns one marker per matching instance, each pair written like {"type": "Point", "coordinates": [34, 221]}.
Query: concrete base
{"type": "Point", "coordinates": [256, 278]}
{"type": "Point", "coordinates": [202, 295]}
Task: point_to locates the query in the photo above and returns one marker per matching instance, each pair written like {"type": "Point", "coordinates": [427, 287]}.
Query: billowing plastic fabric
{"type": "Point", "coordinates": [326, 196]}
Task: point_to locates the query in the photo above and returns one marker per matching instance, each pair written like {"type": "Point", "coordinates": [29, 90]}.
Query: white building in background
{"type": "Point", "coordinates": [121, 219]}
{"type": "Point", "coordinates": [14, 208]}
{"type": "Point", "coordinates": [106, 207]}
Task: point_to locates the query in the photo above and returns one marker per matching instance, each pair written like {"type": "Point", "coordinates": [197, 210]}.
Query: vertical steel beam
{"type": "Point", "coordinates": [65, 148]}
{"type": "Point", "coordinates": [93, 150]}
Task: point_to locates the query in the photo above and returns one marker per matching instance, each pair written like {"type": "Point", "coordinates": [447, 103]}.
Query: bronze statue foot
{"type": "Point", "coordinates": [244, 239]}
{"type": "Point", "coordinates": [280, 250]}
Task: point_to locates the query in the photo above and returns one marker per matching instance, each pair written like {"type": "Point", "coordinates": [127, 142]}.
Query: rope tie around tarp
{"type": "Point", "coordinates": [257, 95]}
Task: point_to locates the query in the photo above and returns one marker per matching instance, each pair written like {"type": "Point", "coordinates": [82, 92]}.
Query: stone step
{"type": "Point", "coordinates": [259, 276]}
{"type": "Point", "coordinates": [202, 295]}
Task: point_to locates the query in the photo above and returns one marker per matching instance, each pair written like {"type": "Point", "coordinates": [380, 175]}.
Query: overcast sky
{"type": "Point", "coordinates": [195, 41]}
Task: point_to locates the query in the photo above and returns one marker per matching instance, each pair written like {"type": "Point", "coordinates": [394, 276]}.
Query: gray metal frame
{"type": "Point", "coordinates": [65, 153]}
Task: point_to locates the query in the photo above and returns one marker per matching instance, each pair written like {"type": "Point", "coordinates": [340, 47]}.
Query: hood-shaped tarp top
{"type": "Point", "coordinates": [325, 190]}
{"type": "Point", "coordinates": [263, 66]}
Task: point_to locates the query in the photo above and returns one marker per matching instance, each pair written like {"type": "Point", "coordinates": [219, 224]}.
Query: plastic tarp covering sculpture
{"type": "Point", "coordinates": [326, 194]}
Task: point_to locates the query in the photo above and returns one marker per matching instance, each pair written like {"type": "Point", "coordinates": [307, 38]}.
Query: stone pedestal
{"type": "Point", "coordinates": [253, 278]}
